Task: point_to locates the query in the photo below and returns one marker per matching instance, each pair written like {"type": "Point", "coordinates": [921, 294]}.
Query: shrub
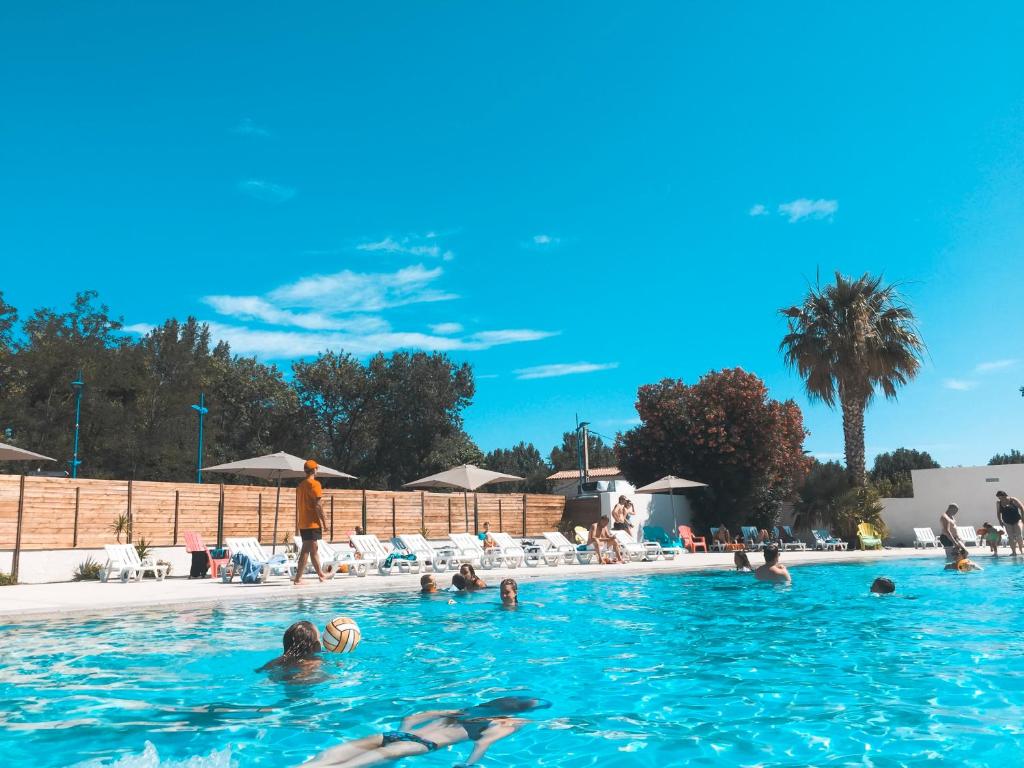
{"type": "Point", "coordinates": [143, 547]}
{"type": "Point", "coordinates": [6, 580]}
{"type": "Point", "coordinates": [90, 570]}
{"type": "Point", "coordinates": [121, 526]}
{"type": "Point", "coordinates": [857, 505]}
{"type": "Point", "coordinates": [167, 566]}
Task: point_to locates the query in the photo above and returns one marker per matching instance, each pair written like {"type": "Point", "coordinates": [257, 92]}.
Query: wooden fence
{"type": "Point", "coordinates": [61, 513]}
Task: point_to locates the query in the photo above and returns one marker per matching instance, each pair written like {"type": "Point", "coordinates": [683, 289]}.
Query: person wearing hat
{"type": "Point", "coordinates": [309, 509]}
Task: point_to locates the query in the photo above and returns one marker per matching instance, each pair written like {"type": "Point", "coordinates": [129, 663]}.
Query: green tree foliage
{"type": "Point", "coordinates": [724, 431]}
{"type": "Point", "coordinates": [1013, 457]}
{"type": "Point", "coordinates": [848, 340]}
{"type": "Point", "coordinates": [816, 497]}
{"type": "Point", "coordinates": [891, 472]}
{"type": "Point", "coordinates": [523, 460]}
{"type": "Point", "coordinates": [390, 421]}
{"type": "Point", "coordinates": [599, 452]}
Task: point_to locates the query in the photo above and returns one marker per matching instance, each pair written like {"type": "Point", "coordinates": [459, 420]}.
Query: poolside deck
{"type": "Point", "coordinates": [71, 598]}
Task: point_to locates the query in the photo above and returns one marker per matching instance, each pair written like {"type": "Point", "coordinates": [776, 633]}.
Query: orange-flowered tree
{"type": "Point", "coordinates": [724, 431]}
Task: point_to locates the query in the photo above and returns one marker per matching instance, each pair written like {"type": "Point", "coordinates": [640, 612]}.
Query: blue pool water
{"type": "Point", "coordinates": [699, 669]}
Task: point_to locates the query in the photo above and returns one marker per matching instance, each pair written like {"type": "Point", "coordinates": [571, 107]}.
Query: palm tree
{"type": "Point", "coordinates": [847, 340]}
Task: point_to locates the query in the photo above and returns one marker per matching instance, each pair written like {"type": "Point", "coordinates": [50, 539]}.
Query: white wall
{"type": "Point", "coordinates": [41, 566]}
{"type": "Point", "coordinates": [973, 489]}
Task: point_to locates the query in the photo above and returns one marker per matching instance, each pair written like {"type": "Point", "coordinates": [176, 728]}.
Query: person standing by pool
{"type": "Point", "coordinates": [949, 538]}
{"type": "Point", "coordinates": [309, 509]}
{"type": "Point", "coordinates": [620, 513]}
{"type": "Point", "coordinates": [773, 571]}
{"type": "Point", "coordinates": [1010, 512]}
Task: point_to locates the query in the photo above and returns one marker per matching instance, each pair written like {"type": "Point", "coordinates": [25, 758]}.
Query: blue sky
{"type": "Point", "coordinates": [576, 199]}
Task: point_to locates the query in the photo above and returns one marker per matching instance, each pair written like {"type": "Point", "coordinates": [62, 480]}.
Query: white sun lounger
{"type": "Point", "coordinates": [634, 551]}
{"type": "Point", "coordinates": [469, 546]}
{"type": "Point", "coordinates": [924, 538]}
{"type": "Point", "coordinates": [826, 541]}
{"type": "Point", "coordinates": [540, 552]}
{"type": "Point", "coordinates": [794, 544]}
{"type": "Point", "coordinates": [373, 549]}
{"type": "Point", "coordinates": [123, 561]}
{"type": "Point", "coordinates": [968, 535]}
{"type": "Point", "coordinates": [513, 553]}
{"type": "Point", "coordinates": [570, 552]}
{"type": "Point", "coordinates": [441, 559]}
{"type": "Point", "coordinates": [333, 556]}
{"type": "Point", "coordinates": [270, 565]}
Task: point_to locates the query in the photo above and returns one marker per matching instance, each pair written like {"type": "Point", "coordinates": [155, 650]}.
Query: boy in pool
{"type": "Point", "coordinates": [301, 648]}
{"type": "Point", "coordinates": [961, 563]}
{"type": "Point", "coordinates": [427, 584]}
{"type": "Point", "coordinates": [431, 731]}
{"type": "Point", "coordinates": [772, 570]}
{"type": "Point", "coordinates": [883, 586]}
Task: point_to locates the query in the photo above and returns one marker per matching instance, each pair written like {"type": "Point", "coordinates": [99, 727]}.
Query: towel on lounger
{"type": "Point", "coordinates": [249, 572]}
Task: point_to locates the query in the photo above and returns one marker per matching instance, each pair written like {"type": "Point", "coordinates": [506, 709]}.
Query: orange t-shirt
{"type": "Point", "coordinates": [306, 497]}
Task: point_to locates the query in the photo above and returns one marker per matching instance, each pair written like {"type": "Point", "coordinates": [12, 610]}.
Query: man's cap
{"type": "Point", "coordinates": [309, 465]}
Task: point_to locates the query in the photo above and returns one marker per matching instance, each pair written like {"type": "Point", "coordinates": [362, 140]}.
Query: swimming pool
{"type": "Point", "coordinates": [703, 669]}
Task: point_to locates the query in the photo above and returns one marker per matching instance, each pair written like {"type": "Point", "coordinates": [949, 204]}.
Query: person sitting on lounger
{"type": "Point", "coordinates": [427, 584]}
{"type": "Point", "coordinates": [486, 540]}
{"type": "Point", "coordinates": [722, 535]}
{"type": "Point", "coordinates": [473, 582]}
{"type": "Point", "coordinates": [301, 650]}
{"type": "Point", "coordinates": [741, 561]}
{"type": "Point", "coordinates": [772, 570]}
{"type": "Point", "coordinates": [509, 592]}
{"type": "Point", "coordinates": [600, 534]}
{"type": "Point", "coordinates": [431, 731]}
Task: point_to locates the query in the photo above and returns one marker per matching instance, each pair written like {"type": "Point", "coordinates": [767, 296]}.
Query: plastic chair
{"type": "Point", "coordinates": [194, 543]}
{"type": "Point", "coordinates": [690, 541]}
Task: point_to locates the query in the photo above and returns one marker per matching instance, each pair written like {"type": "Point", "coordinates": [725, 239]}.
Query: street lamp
{"type": "Point", "coordinates": [201, 409]}
{"type": "Point", "coordinates": [78, 385]}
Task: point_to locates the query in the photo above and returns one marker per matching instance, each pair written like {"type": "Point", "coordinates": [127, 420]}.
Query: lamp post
{"type": "Point", "coordinates": [201, 409]}
{"type": "Point", "coordinates": [78, 385]}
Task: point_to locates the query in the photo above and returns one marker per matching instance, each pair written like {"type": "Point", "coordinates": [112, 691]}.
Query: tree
{"type": "Point", "coordinates": [1013, 457]}
{"type": "Point", "coordinates": [599, 453]}
{"type": "Point", "coordinates": [891, 472]}
{"type": "Point", "coordinates": [523, 460]}
{"type": "Point", "coordinates": [825, 483]}
{"type": "Point", "coordinates": [724, 431]}
{"type": "Point", "coordinates": [848, 340]}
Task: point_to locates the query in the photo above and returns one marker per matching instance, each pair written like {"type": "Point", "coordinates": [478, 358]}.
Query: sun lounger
{"type": "Point", "coordinates": [470, 547]}
{"type": "Point", "coordinates": [751, 534]}
{"type": "Point", "coordinates": [333, 557]}
{"type": "Point", "coordinates": [124, 561]}
{"type": "Point", "coordinates": [441, 559]}
{"type": "Point", "coordinates": [924, 538]}
{"type": "Point", "coordinates": [669, 547]}
{"type": "Point", "coordinates": [194, 543]}
{"type": "Point", "coordinates": [691, 542]}
{"type": "Point", "coordinates": [788, 541]}
{"type": "Point", "coordinates": [513, 553]}
{"type": "Point", "coordinates": [868, 536]}
{"type": "Point", "coordinates": [634, 551]}
{"type": "Point", "coordinates": [385, 557]}
{"type": "Point", "coordinates": [269, 565]}
{"type": "Point", "coordinates": [968, 535]}
{"type": "Point", "coordinates": [571, 553]}
{"type": "Point", "coordinates": [823, 540]}
{"type": "Point", "coordinates": [539, 552]}
{"type": "Point", "coordinates": [718, 546]}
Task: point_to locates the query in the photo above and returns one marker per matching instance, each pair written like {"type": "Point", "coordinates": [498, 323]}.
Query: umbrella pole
{"type": "Point", "coordinates": [277, 508]}
{"type": "Point", "coordinates": [476, 514]}
{"type": "Point", "coordinates": [465, 507]}
{"type": "Point", "coordinates": [675, 520]}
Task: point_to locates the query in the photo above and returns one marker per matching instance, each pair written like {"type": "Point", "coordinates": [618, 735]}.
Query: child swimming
{"type": "Point", "coordinates": [301, 649]}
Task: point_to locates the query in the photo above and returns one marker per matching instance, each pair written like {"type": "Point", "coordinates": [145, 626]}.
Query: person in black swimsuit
{"type": "Point", "coordinates": [1010, 512]}
{"type": "Point", "coordinates": [431, 731]}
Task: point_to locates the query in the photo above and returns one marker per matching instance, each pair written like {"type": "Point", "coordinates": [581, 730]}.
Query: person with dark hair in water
{"type": "Point", "coordinates": [301, 648]}
{"type": "Point", "coordinates": [883, 586]}
{"type": "Point", "coordinates": [772, 570]}
{"type": "Point", "coordinates": [509, 592]}
{"type": "Point", "coordinates": [459, 583]}
{"type": "Point", "coordinates": [473, 582]}
{"type": "Point", "coordinates": [434, 730]}
{"type": "Point", "coordinates": [742, 561]}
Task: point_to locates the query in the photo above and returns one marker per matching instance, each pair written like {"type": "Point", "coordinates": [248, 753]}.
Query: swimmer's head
{"type": "Point", "coordinates": [740, 559]}
{"type": "Point", "coordinates": [510, 705]}
{"type": "Point", "coordinates": [467, 570]}
{"type": "Point", "coordinates": [509, 592]}
{"type": "Point", "coordinates": [883, 586]}
{"type": "Point", "coordinates": [301, 640]}
{"type": "Point", "coordinates": [459, 581]}
{"type": "Point", "coordinates": [771, 554]}
{"type": "Point", "coordinates": [427, 583]}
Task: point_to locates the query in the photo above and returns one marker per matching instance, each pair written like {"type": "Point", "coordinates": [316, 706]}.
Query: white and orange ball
{"type": "Point", "coordinates": [341, 635]}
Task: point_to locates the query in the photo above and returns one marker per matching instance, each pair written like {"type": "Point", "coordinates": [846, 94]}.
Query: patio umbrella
{"type": "Point", "coordinates": [668, 484]}
{"type": "Point", "coordinates": [467, 477]}
{"type": "Point", "coordinates": [273, 466]}
{"type": "Point", "coordinates": [13, 453]}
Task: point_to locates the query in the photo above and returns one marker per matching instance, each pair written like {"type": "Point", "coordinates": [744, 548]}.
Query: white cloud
{"type": "Point", "coordinates": [266, 191]}
{"type": "Point", "coordinates": [804, 208]}
{"type": "Point", "coordinates": [446, 329]}
{"type": "Point", "coordinates": [258, 308]}
{"type": "Point", "coordinates": [758, 210]}
{"type": "Point", "coordinates": [348, 291]}
{"type": "Point", "coordinates": [960, 385]}
{"type": "Point", "coordinates": [546, 240]}
{"type": "Point", "coordinates": [248, 127]}
{"type": "Point", "coordinates": [994, 365]}
{"type": "Point", "coordinates": [561, 369]}
{"type": "Point", "coordinates": [828, 455]}
{"type": "Point", "coordinates": [485, 339]}
{"type": "Point", "coordinates": [410, 245]}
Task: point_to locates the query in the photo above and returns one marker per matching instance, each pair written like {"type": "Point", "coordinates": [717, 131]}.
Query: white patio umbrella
{"type": "Point", "coordinates": [669, 484]}
{"type": "Point", "coordinates": [467, 477]}
{"type": "Point", "coordinates": [274, 466]}
{"type": "Point", "coordinates": [13, 453]}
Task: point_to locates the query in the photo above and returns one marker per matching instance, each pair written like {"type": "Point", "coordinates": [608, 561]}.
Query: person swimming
{"type": "Point", "coordinates": [427, 584]}
{"type": "Point", "coordinates": [301, 648]}
{"type": "Point", "coordinates": [473, 581]}
{"type": "Point", "coordinates": [883, 586]}
{"type": "Point", "coordinates": [742, 561]}
{"type": "Point", "coordinates": [430, 731]}
{"type": "Point", "coordinates": [961, 563]}
{"type": "Point", "coordinates": [509, 592]}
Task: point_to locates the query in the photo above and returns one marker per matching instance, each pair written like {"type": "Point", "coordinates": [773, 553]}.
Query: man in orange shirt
{"type": "Point", "coordinates": [309, 509]}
